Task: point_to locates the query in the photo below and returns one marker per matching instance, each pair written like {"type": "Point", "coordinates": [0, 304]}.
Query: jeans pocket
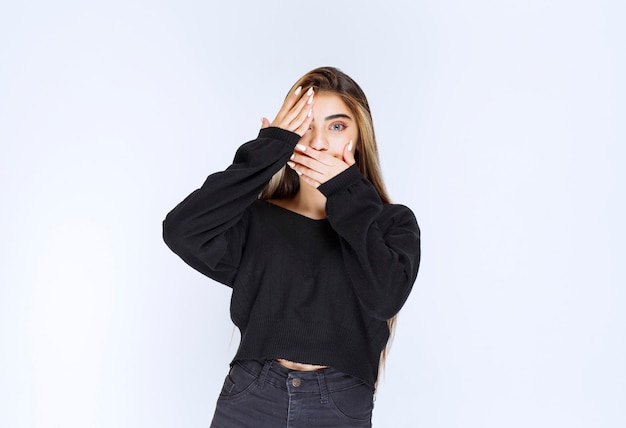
{"type": "Point", "coordinates": [238, 382]}
{"type": "Point", "coordinates": [355, 403]}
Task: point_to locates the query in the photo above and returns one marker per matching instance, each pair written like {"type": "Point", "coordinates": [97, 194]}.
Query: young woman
{"type": "Point", "coordinates": [319, 261]}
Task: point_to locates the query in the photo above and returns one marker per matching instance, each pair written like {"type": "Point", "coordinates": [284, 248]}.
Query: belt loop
{"type": "Point", "coordinates": [264, 372]}
{"type": "Point", "coordinates": [321, 379]}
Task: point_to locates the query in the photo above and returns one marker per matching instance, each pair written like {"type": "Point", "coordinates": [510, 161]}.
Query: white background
{"type": "Point", "coordinates": [500, 123]}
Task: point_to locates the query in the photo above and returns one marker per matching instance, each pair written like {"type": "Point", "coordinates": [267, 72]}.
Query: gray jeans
{"type": "Point", "coordinates": [268, 395]}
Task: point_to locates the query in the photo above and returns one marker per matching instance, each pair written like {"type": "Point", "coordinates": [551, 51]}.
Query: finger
{"type": "Point", "coordinates": [291, 116]}
{"type": "Point", "coordinates": [308, 163]}
{"type": "Point", "coordinates": [288, 104]}
{"type": "Point", "coordinates": [304, 119]}
{"type": "Point", "coordinates": [311, 181]}
{"type": "Point", "coordinates": [303, 170]}
{"type": "Point", "coordinates": [348, 154]}
{"type": "Point", "coordinates": [265, 123]}
{"type": "Point", "coordinates": [291, 100]}
{"type": "Point", "coordinates": [310, 156]}
{"type": "Point", "coordinates": [301, 110]}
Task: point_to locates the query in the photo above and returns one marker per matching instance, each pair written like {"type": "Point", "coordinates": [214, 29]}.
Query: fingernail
{"type": "Point", "coordinates": [301, 147]}
{"type": "Point", "coordinates": [310, 113]}
{"type": "Point", "coordinates": [298, 90]}
{"type": "Point", "coordinates": [291, 164]}
{"type": "Point", "coordinates": [310, 101]}
{"type": "Point", "coordinates": [292, 156]}
{"type": "Point", "coordinates": [310, 91]}
{"type": "Point", "coordinates": [350, 146]}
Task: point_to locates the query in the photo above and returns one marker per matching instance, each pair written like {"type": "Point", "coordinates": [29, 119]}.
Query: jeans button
{"type": "Point", "coordinates": [296, 382]}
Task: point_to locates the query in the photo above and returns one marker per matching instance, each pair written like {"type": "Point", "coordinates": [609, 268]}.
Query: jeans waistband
{"type": "Point", "coordinates": [319, 381]}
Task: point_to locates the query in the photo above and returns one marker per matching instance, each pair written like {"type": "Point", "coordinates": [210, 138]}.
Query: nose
{"type": "Point", "coordinates": [317, 141]}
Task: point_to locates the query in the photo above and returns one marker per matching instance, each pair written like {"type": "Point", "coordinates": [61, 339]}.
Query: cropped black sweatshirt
{"type": "Point", "coordinates": [312, 291]}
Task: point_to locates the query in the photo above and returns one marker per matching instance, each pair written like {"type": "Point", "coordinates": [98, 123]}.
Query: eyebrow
{"type": "Point", "coordinates": [337, 116]}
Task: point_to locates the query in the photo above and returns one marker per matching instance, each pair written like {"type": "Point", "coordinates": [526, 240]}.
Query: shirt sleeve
{"type": "Point", "coordinates": [208, 228]}
{"type": "Point", "coordinates": [380, 242]}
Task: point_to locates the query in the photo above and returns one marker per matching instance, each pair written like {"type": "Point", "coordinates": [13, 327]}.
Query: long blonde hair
{"type": "Point", "coordinates": [285, 183]}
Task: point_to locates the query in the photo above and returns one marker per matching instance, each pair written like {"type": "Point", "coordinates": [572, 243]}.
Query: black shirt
{"type": "Point", "coordinates": [312, 291]}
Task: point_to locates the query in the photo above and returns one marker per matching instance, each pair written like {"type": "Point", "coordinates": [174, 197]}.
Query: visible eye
{"type": "Point", "coordinates": [337, 127]}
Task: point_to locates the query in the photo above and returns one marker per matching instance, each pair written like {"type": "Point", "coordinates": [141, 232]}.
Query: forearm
{"type": "Point", "coordinates": [380, 243]}
{"type": "Point", "coordinates": [220, 203]}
